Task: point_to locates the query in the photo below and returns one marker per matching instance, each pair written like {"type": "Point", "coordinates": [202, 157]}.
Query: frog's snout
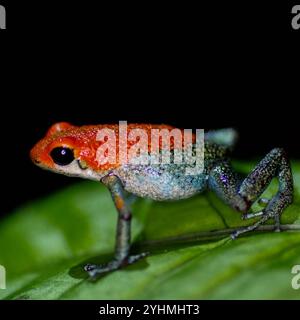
{"type": "Point", "coordinates": [33, 156]}
{"type": "Point", "coordinates": [36, 161]}
{"type": "Point", "coordinates": [37, 154]}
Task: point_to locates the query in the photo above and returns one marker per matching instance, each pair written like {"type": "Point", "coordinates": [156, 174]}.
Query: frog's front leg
{"type": "Point", "coordinates": [123, 234]}
{"type": "Point", "coordinates": [242, 194]}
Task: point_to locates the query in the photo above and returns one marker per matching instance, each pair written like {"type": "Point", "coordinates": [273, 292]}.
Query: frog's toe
{"type": "Point", "coordinates": [247, 216]}
{"type": "Point", "coordinates": [133, 258]}
{"type": "Point", "coordinates": [90, 267]}
{"type": "Point", "coordinates": [277, 226]}
{"type": "Point", "coordinates": [277, 229]}
{"type": "Point", "coordinates": [94, 270]}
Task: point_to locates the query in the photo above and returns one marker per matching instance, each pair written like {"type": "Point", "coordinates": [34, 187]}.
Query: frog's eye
{"type": "Point", "coordinates": [62, 155]}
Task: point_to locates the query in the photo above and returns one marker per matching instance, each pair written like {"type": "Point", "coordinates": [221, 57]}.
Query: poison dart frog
{"type": "Point", "coordinates": [72, 150]}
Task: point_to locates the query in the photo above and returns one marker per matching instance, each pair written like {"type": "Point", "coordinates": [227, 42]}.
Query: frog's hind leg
{"type": "Point", "coordinates": [242, 194]}
{"type": "Point", "coordinates": [226, 137]}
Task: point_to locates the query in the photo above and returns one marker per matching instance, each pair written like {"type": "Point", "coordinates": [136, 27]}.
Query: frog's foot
{"type": "Point", "coordinates": [95, 270]}
{"type": "Point", "coordinates": [272, 211]}
{"type": "Point", "coordinates": [265, 216]}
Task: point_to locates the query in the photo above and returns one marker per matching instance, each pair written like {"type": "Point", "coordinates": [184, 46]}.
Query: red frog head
{"type": "Point", "coordinates": [70, 150]}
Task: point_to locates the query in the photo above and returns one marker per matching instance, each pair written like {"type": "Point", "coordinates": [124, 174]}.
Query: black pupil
{"type": "Point", "coordinates": [62, 156]}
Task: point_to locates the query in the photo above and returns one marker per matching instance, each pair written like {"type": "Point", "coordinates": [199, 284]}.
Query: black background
{"type": "Point", "coordinates": [211, 66]}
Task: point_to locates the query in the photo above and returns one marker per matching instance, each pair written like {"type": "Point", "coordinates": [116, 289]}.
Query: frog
{"type": "Point", "coordinates": [72, 150]}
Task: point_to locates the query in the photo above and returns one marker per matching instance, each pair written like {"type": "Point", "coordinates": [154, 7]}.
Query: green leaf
{"type": "Point", "coordinates": [45, 244]}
